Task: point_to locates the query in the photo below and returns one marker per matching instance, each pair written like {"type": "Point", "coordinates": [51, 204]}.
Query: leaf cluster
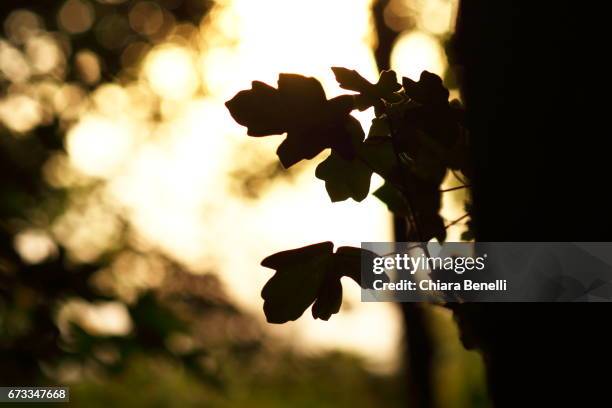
{"type": "Point", "coordinates": [416, 138]}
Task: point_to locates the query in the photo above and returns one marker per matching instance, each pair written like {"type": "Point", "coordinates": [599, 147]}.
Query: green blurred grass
{"type": "Point", "coordinates": [328, 381]}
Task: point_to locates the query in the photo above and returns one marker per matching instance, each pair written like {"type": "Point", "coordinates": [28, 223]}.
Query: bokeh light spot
{"type": "Point", "coordinates": [98, 146]}
{"type": "Point", "coordinates": [171, 72]}
{"type": "Point", "coordinates": [415, 52]}
{"type": "Point", "coordinates": [76, 16]}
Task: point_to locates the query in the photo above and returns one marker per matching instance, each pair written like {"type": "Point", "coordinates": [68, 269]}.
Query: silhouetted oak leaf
{"type": "Point", "coordinates": [347, 261]}
{"type": "Point", "coordinates": [430, 160]}
{"type": "Point", "coordinates": [309, 275]}
{"type": "Point", "coordinates": [260, 109]}
{"type": "Point", "coordinates": [427, 128]}
{"type": "Point", "coordinates": [329, 297]}
{"type": "Point", "coordinates": [297, 281]}
{"type": "Point", "coordinates": [393, 199]}
{"type": "Point", "coordinates": [351, 80]}
{"type": "Point", "coordinates": [425, 198]}
{"type": "Point", "coordinates": [343, 178]}
{"type": "Point", "coordinates": [467, 235]}
{"type": "Point", "coordinates": [369, 94]}
{"type": "Point", "coordinates": [379, 128]}
{"type": "Point", "coordinates": [346, 179]}
{"type": "Point", "coordinates": [387, 84]}
{"type": "Point", "coordinates": [299, 108]}
{"type": "Point", "coordinates": [378, 153]}
{"type": "Point", "coordinates": [431, 142]}
{"type": "Point", "coordinates": [432, 226]}
{"type": "Point", "coordinates": [428, 90]}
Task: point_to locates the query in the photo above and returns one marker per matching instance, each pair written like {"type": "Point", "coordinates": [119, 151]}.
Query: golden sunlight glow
{"type": "Point", "coordinates": [171, 72]}
{"type": "Point", "coordinates": [249, 40]}
{"type": "Point", "coordinates": [89, 227]}
{"type": "Point", "coordinates": [34, 245]}
{"type": "Point", "coordinates": [415, 52]}
{"type": "Point", "coordinates": [68, 101]}
{"type": "Point", "coordinates": [436, 15]}
{"type": "Point", "coordinates": [99, 319]}
{"type": "Point", "coordinates": [45, 54]}
{"type": "Point", "coordinates": [88, 66]}
{"type": "Point", "coordinates": [20, 113]}
{"type": "Point", "coordinates": [98, 146]}
{"type": "Point", "coordinates": [13, 63]}
{"type": "Point", "coordinates": [21, 24]}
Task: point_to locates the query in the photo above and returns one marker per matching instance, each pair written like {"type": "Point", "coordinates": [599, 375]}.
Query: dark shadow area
{"type": "Point", "coordinates": [536, 108]}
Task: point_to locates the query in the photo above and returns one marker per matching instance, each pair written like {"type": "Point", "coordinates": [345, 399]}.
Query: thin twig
{"type": "Point", "coordinates": [458, 177]}
{"type": "Point", "coordinates": [455, 188]}
{"type": "Point", "coordinates": [457, 220]}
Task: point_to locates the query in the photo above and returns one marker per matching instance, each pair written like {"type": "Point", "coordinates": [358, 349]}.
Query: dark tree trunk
{"type": "Point", "coordinates": [532, 78]}
{"type": "Point", "coordinates": [418, 353]}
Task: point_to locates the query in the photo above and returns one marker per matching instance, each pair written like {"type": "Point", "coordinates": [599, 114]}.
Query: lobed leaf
{"type": "Point", "coordinates": [351, 80]}
{"type": "Point", "coordinates": [297, 281]}
{"type": "Point", "coordinates": [369, 94]}
{"type": "Point", "coordinates": [309, 276]}
{"type": "Point", "coordinates": [393, 199]}
{"type": "Point", "coordinates": [344, 179]}
{"type": "Point", "coordinates": [329, 298]}
{"type": "Point", "coordinates": [428, 90]}
{"type": "Point", "coordinates": [299, 108]}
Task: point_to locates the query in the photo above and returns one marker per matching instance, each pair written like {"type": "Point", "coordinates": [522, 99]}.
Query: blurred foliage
{"type": "Point", "coordinates": [65, 315]}
{"type": "Point", "coordinates": [280, 380]}
{"type": "Point", "coordinates": [277, 378]}
{"type": "Point", "coordinates": [253, 176]}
